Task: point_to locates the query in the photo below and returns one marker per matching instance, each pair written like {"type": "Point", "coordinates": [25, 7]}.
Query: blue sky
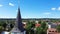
{"type": "Point", "coordinates": [30, 8]}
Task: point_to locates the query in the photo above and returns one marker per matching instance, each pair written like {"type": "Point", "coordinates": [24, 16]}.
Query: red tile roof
{"type": "Point", "coordinates": [37, 25]}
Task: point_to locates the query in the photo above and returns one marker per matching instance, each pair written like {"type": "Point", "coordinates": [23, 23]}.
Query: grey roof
{"type": "Point", "coordinates": [15, 29]}
{"type": "Point", "coordinates": [53, 25]}
{"type": "Point", "coordinates": [49, 23]}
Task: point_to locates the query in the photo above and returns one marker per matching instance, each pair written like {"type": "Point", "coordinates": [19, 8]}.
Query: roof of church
{"type": "Point", "coordinates": [15, 29]}
{"type": "Point", "coordinates": [18, 23]}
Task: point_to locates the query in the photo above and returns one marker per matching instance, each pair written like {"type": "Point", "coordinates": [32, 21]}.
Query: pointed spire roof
{"type": "Point", "coordinates": [18, 24]}
{"type": "Point", "coordinates": [18, 15]}
{"type": "Point", "coordinates": [19, 21]}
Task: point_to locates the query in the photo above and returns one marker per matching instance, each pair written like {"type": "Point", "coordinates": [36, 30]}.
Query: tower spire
{"type": "Point", "coordinates": [18, 3]}
{"type": "Point", "coordinates": [19, 20]}
{"type": "Point", "coordinates": [18, 27]}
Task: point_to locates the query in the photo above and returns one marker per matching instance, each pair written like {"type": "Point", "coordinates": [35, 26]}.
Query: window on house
{"type": "Point", "coordinates": [49, 31]}
{"type": "Point", "coordinates": [55, 31]}
{"type": "Point", "coordinates": [52, 31]}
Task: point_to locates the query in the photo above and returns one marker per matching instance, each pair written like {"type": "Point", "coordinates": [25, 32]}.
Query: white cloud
{"type": "Point", "coordinates": [47, 13]}
{"type": "Point", "coordinates": [1, 5]}
{"type": "Point", "coordinates": [53, 8]}
{"type": "Point", "coordinates": [58, 8]}
{"type": "Point", "coordinates": [11, 4]}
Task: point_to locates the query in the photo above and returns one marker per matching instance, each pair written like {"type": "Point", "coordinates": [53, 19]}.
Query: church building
{"type": "Point", "coordinates": [18, 27]}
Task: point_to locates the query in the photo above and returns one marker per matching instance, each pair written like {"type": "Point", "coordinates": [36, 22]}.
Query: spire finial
{"type": "Point", "coordinates": [19, 3]}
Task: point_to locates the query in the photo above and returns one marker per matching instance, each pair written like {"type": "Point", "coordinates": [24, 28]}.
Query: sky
{"type": "Point", "coordinates": [30, 8]}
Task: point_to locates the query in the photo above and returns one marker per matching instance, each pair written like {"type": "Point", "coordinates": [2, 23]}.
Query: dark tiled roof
{"type": "Point", "coordinates": [18, 22]}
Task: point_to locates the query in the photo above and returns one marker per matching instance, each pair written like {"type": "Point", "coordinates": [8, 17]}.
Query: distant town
{"type": "Point", "coordinates": [33, 17]}
{"type": "Point", "coordinates": [33, 25]}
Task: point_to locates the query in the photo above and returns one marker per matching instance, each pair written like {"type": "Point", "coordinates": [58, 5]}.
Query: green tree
{"type": "Point", "coordinates": [1, 29]}
{"type": "Point", "coordinates": [43, 25]}
{"type": "Point", "coordinates": [41, 29]}
{"type": "Point", "coordinates": [58, 28]}
{"type": "Point", "coordinates": [29, 26]}
{"type": "Point", "coordinates": [4, 25]}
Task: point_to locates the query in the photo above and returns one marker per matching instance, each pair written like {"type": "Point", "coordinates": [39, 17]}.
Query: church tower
{"type": "Point", "coordinates": [18, 27]}
{"type": "Point", "coordinates": [19, 21]}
